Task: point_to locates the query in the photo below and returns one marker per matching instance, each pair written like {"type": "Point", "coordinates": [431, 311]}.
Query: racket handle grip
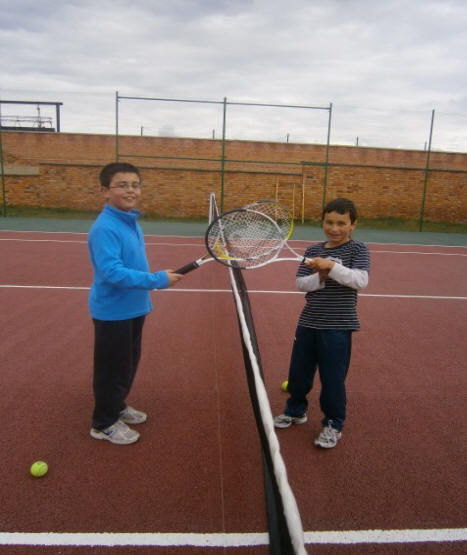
{"type": "Point", "coordinates": [187, 268]}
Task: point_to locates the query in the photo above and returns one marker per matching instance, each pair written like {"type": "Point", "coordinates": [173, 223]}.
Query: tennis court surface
{"type": "Point", "coordinates": [194, 482]}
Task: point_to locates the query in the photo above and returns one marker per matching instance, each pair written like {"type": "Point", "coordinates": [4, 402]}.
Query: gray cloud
{"type": "Point", "coordinates": [397, 60]}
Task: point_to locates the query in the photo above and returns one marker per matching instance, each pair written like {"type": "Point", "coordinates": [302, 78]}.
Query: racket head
{"type": "Point", "coordinates": [244, 238]}
{"type": "Point", "coordinates": [276, 211]}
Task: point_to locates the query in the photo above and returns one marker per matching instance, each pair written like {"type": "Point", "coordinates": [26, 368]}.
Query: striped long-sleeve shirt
{"type": "Point", "coordinates": [332, 304]}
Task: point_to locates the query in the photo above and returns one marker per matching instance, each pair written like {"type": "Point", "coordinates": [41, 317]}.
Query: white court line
{"type": "Point", "coordinates": [41, 240]}
{"type": "Point", "coordinates": [85, 233]}
{"type": "Point", "coordinates": [85, 242]}
{"type": "Point", "coordinates": [345, 537]}
{"type": "Point", "coordinates": [252, 291]}
{"type": "Point", "coordinates": [307, 241]}
{"type": "Point", "coordinates": [419, 253]}
{"type": "Point", "coordinates": [7, 286]}
{"type": "Point", "coordinates": [200, 237]}
{"type": "Point", "coordinates": [149, 244]}
{"type": "Point", "coordinates": [43, 232]}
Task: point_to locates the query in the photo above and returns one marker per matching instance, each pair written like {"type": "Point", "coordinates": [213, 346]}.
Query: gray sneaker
{"type": "Point", "coordinates": [129, 415]}
{"type": "Point", "coordinates": [119, 433]}
{"type": "Point", "coordinates": [328, 437]}
{"type": "Point", "coordinates": [285, 420]}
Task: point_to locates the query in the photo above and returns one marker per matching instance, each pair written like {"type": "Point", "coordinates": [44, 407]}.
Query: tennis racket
{"type": "Point", "coordinates": [223, 239]}
{"type": "Point", "coordinates": [244, 238]}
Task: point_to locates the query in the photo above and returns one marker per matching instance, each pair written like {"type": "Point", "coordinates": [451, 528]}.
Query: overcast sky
{"type": "Point", "coordinates": [383, 64]}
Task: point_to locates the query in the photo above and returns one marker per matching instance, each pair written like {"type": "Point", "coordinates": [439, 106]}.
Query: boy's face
{"type": "Point", "coordinates": [337, 228]}
{"type": "Point", "coordinates": [123, 192]}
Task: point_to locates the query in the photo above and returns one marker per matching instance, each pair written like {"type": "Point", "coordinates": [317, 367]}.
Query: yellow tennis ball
{"type": "Point", "coordinates": [285, 385]}
{"type": "Point", "coordinates": [39, 468]}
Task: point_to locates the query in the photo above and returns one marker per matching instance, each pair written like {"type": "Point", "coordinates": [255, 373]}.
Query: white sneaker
{"type": "Point", "coordinates": [328, 437]}
{"type": "Point", "coordinates": [118, 433]}
{"type": "Point", "coordinates": [129, 415]}
{"type": "Point", "coordinates": [285, 420]}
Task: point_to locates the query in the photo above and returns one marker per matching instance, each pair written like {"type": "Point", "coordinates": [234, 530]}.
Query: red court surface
{"type": "Point", "coordinates": [194, 482]}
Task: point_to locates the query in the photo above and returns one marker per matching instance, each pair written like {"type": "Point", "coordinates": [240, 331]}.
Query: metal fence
{"type": "Point", "coordinates": [224, 104]}
{"type": "Point", "coordinates": [430, 190]}
{"type": "Point", "coordinates": [423, 171]}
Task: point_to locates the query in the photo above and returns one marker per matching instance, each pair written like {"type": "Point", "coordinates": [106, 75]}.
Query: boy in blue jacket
{"type": "Point", "coordinates": [119, 300]}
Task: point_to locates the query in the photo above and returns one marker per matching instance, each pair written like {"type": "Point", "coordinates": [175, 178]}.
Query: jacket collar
{"type": "Point", "coordinates": [129, 217]}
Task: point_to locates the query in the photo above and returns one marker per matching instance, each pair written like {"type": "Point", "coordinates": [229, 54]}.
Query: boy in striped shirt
{"type": "Point", "coordinates": [333, 272]}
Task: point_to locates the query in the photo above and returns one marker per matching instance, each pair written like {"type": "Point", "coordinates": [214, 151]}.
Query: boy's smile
{"type": "Point", "coordinates": [123, 192]}
{"type": "Point", "coordinates": [337, 228]}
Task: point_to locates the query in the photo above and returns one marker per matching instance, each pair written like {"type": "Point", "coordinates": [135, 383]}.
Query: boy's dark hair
{"type": "Point", "coordinates": [341, 206]}
{"type": "Point", "coordinates": [107, 172]}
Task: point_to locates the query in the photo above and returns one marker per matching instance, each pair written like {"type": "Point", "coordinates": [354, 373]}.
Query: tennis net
{"type": "Point", "coordinates": [286, 535]}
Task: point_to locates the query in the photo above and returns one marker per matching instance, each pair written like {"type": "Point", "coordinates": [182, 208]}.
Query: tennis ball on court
{"type": "Point", "coordinates": [285, 385]}
{"type": "Point", "coordinates": [39, 468]}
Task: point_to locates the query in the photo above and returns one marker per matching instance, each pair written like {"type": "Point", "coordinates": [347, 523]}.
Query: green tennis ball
{"type": "Point", "coordinates": [285, 385]}
{"type": "Point", "coordinates": [39, 468]}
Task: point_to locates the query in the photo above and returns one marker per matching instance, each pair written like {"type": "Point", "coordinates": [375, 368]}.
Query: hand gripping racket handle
{"type": "Point", "coordinates": [187, 268]}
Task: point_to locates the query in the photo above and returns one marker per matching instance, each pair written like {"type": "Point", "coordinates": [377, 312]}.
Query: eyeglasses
{"type": "Point", "coordinates": [127, 186]}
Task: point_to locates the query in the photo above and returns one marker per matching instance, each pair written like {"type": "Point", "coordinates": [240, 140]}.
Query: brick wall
{"type": "Point", "coordinates": [61, 170]}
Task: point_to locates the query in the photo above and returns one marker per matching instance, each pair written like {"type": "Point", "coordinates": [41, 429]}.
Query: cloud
{"type": "Point", "coordinates": [390, 56]}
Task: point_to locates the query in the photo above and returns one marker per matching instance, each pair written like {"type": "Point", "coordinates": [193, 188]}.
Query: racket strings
{"type": "Point", "coordinates": [245, 236]}
{"type": "Point", "coordinates": [277, 212]}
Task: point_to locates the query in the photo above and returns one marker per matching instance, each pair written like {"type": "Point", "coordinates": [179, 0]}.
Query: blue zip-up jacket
{"type": "Point", "coordinates": [122, 279]}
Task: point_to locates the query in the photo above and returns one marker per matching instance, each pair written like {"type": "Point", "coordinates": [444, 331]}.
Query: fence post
{"type": "Point", "coordinates": [116, 126]}
{"type": "Point", "coordinates": [223, 153]}
{"type": "Point", "coordinates": [326, 163]}
{"type": "Point", "coordinates": [427, 169]}
{"type": "Point", "coordinates": [3, 174]}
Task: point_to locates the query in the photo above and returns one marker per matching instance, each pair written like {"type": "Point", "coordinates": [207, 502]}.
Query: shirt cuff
{"type": "Point", "coordinates": [309, 283]}
{"type": "Point", "coordinates": [350, 277]}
